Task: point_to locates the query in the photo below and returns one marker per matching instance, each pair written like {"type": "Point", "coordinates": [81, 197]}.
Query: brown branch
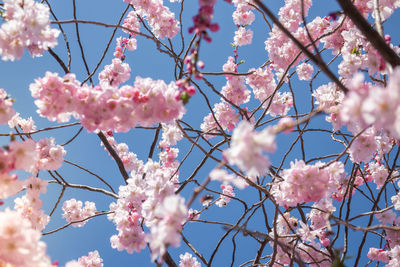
{"type": "Point", "coordinates": [114, 154]}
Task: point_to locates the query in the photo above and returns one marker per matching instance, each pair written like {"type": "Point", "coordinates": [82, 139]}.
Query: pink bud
{"type": "Point", "coordinates": [178, 96]}
{"type": "Point", "coordinates": [325, 242]}
{"type": "Point", "coordinates": [179, 83]}
{"type": "Point", "coordinates": [200, 64]}
{"type": "Point", "coordinates": [191, 90]}
{"type": "Point", "coordinates": [214, 27]}
{"type": "Point", "coordinates": [388, 38]}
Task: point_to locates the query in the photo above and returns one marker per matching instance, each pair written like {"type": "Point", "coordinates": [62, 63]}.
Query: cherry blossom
{"type": "Point", "coordinates": [6, 110]}
{"type": "Point", "coordinates": [187, 260]}
{"type": "Point", "coordinates": [27, 26]}
{"type": "Point", "coordinates": [92, 260]}
{"type": "Point", "coordinates": [75, 211]}
{"type": "Point", "coordinates": [20, 244]}
{"type": "Point", "coordinates": [247, 147]}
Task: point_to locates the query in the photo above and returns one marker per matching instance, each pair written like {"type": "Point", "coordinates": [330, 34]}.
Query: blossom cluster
{"type": "Point", "coordinates": [20, 155]}
{"type": "Point", "coordinates": [26, 26]}
{"type": "Point", "coordinates": [150, 201]}
{"type": "Point", "coordinates": [263, 83]}
{"type": "Point", "coordinates": [76, 213]}
{"type": "Point", "coordinates": [131, 26]}
{"type": "Point", "coordinates": [20, 243]}
{"type": "Point", "coordinates": [27, 125]}
{"type": "Point", "coordinates": [187, 260]}
{"type": "Point", "coordinates": [51, 155]}
{"type": "Point", "coordinates": [247, 147]}
{"type": "Point", "coordinates": [160, 18]}
{"type": "Point", "coordinates": [104, 108]}
{"type": "Point", "coordinates": [367, 104]}
{"type": "Point", "coordinates": [202, 21]}
{"type": "Point", "coordinates": [223, 116]}
{"type": "Point", "coordinates": [114, 74]}
{"type": "Point", "coordinates": [390, 254]}
{"type": "Point", "coordinates": [91, 260]}
{"type": "Point", "coordinates": [242, 17]}
{"type": "Point", "coordinates": [171, 134]}
{"type": "Point", "coordinates": [309, 251]}
{"type": "Point", "coordinates": [281, 50]}
{"type": "Point", "coordinates": [6, 109]}
{"type": "Point", "coordinates": [235, 89]}
{"type": "Point", "coordinates": [305, 182]}
{"type": "Point", "coordinates": [29, 206]}
{"type": "Point", "coordinates": [225, 197]}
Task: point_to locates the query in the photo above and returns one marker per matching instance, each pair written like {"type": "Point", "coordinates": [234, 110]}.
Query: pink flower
{"type": "Point", "coordinates": [27, 26]}
{"type": "Point", "coordinates": [386, 217]}
{"type": "Point", "coordinates": [92, 260]}
{"type": "Point", "coordinates": [226, 117]}
{"type": "Point", "coordinates": [105, 107]}
{"type": "Point", "coordinates": [159, 17]}
{"type": "Point", "coordinates": [20, 244]}
{"type": "Point", "coordinates": [25, 154]}
{"type": "Point", "coordinates": [9, 185]}
{"type": "Point", "coordinates": [363, 147]}
{"type": "Point", "coordinates": [262, 82]}
{"type": "Point", "coordinates": [224, 198]}
{"type": "Point", "coordinates": [242, 15]}
{"type": "Point", "coordinates": [243, 37]}
{"type": "Point", "coordinates": [132, 23]}
{"type": "Point", "coordinates": [247, 147]}
{"type": "Point", "coordinates": [6, 110]}
{"type": "Point", "coordinates": [74, 211]}
{"type": "Point", "coordinates": [172, 214]}
{"type": "Point", "coordinates": [378, 254]}
{"type": "Point", "coordinates": [304, 71]}
{"type": "Point", "coordinates": [187, 260]}
{"type": "Point", "coordinates": [51, 155]}
{"type": "Point", "coordinates": [305, 183]}
{"type": "Point", "coordinates": [115, 74]}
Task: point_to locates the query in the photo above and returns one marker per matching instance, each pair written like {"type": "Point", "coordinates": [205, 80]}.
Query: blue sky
{"type": "Point", "coordinates": [72, 243]}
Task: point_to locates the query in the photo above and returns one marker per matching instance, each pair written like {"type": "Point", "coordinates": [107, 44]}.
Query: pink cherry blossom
{"type": "Point", "coordinates": [247, 147]}
{"type": "Point", "coordinates": [243, 37]}
{"type": "Point", "coordinates": [27, 26]}
{"type": "Point", "coordinates": [305, 183]}
{"type": "Point", "coordinates": [92, 260]}
{"type": "Point", "coordinates": [104, 108]}
{"type": "Point", "coordinates": [51, 155]}
{"type": "Point", "coordinates": [225, 197]}
{"type": "Point", "coordinates": [115, 74]}
{"type": "Point", "coordinates": [304, 71]}
{"type": "Point", "coordinates": [20, 244]}
{"type": "Point", "coordinates": [6, 110]}
{"type": "Point", "coordinates": [187, 260]}
{"type": "Point", "coordinates": [75, 211]}
{"type": "Point", "coordinates": [159, 17]}
{"type": "Point", "coordinates": [378, 254]}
